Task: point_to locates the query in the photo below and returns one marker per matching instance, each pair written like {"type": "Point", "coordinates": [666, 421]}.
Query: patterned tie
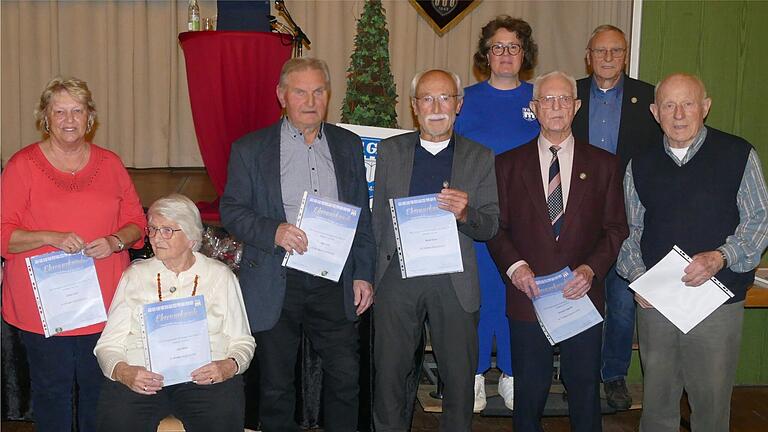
{"type": "Point", "coordinates": [555, 194]}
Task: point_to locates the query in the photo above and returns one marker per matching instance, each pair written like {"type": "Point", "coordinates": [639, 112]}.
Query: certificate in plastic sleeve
{"type": "Point", "coordinates": [176, 341]}
{"type": "Point", "coordinates": [66, 290]}
{"type": "Point", "coordinates": [561, 318]}
{"type": "Point", "coordinates": [683, 306]}
{"type": "Point", "coordinates": [427, 237]}
{"type": "Point", "coordinates": [330, 227]}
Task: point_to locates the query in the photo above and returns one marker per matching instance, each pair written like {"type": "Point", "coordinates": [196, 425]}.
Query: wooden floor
{"type": "Point", "coordinates": [749, 413]}
{"type": "Point", "coordinates": [749, 407]}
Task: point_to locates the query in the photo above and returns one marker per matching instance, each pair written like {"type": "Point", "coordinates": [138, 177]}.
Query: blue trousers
{"type": "Point", "coordinates": [618, 328]}
{"type": "Point", "coordinates": [55, 365]}
{"type": "Point", "coordinates": [493, 316]}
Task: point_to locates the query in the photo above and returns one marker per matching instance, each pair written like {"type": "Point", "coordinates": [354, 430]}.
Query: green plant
{"type": "Point", "coordinates": [371, 96]}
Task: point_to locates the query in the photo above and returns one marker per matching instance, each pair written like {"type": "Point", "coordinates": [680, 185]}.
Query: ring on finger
{"type": "Point", "coordinates": [212, 380]}
{"type": "Point", "coordinates": [145, 388]}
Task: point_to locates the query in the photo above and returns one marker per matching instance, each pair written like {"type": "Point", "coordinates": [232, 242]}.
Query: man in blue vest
{"type": "Point", "coordinates": [704, 191]}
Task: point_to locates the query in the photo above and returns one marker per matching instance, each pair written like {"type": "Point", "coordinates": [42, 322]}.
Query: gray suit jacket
{"type": "Point", "coordinates": [472, 172]}
{"type": "Point", "coordinates": [252, 209]}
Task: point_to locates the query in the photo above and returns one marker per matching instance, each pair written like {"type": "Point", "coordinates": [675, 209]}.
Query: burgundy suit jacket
{"type": "Point", "coordinates": [594, 228]}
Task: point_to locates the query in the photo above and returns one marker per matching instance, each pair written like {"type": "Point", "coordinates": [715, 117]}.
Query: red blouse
{"type": "Point", "coordinates": [94, 202]}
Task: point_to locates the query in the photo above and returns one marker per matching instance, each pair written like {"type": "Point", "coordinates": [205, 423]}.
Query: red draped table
{"type": "Point", "coordinates": [232, 78]}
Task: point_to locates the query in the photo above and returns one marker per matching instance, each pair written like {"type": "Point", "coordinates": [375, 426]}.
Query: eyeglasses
{"type": "Point", "coordinates": [498, 49]}
{"type": "Point", "coordinates": [549, 101]}
{"type": "Point", "coordinates": [165, 232]}
{"type": "Point", "coordinates": [428, 100]}
{"type": "Point", "coordinates": [601, 52]}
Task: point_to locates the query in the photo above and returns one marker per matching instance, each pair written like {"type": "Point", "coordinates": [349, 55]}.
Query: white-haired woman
{"type": "Point", "coordinates": [133, 398]}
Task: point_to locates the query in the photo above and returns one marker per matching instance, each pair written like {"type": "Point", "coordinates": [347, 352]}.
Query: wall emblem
{"type": "Point", "coordinates": [443, 15]}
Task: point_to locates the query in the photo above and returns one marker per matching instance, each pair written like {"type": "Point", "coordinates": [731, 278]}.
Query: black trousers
{"type": "Point", "coordinates": [579, 370]}
{"type": "Point", "coordinates": [316, 307]}
{"type": "Point", "coordinates": [401, 308]}
{"type": "Point", "coordinates": [202, 408]}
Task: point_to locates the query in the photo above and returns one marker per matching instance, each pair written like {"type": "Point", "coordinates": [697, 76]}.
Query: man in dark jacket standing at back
{"type": "Point", "coordinates": [614, 116]}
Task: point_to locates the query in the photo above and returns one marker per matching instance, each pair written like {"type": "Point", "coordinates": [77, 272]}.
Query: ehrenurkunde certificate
{"type": "Point", "coordinates": [330, 227]}
{"type": "Point", "coordinates": [66, 290]}
{"type": "Point", "coordinates": [559, 317]}
{"type": "Point", "coordinates": [427, 237]}
{"type": "Point", "coordinates": [176, 340]}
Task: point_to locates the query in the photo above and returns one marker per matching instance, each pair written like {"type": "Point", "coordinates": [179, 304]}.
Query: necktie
{"type": "Point", "coordinates": [555, 194]}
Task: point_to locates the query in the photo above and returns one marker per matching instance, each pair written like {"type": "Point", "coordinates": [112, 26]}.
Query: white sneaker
{"type": "Point", "coordinates": [480, 401]}
{"type": "Point", "coordinates": [506, 390]}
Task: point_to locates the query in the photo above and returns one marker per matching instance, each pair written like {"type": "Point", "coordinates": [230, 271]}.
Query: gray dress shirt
{"type": "Point", "coordinates": [304, 167]}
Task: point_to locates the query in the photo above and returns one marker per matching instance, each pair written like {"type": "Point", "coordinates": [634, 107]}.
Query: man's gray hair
{"type": "Point", "coordinates": [693, 77]}
{"type": "Point", "coordinates": [604, 28]}
{"type": "Point", "coordinates": [180, 209]}
{"type": "Point", "coordinates": [537, 82]}
{"type": "Point", "coordinates": [304, 63]}
{"type": "Point", "coordinates": [417, 78]}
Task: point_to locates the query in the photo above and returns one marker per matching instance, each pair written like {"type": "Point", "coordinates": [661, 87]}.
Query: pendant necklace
{"type": "Point", "coordinates": [160, 292]}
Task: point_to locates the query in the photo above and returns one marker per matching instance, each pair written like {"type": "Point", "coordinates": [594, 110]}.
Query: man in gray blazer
{"type": "Point", "coordinates": [269, 170]}
{"type": "Point", "coordinates": [432, 160]}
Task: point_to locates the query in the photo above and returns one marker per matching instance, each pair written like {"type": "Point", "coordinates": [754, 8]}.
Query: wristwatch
{"type": "Point", "coordinates": [724, 257]}
{"type": "Point", "coordinates": [120, 244]}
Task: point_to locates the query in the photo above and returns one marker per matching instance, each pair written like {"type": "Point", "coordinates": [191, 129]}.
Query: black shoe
{"type": "Point", "coordinates": [617, 395]}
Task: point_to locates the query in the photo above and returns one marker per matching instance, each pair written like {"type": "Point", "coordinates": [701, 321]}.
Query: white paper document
{"type": "Point", "coordinates": [330, 227]}
{"type": "Point", "coordinates": [684, 306]}
{"type": "Point", "coordinates": [66, 290]}
{"type": "Point", "coordinates": [559, 317]}
{"type": "Point", "coordinates": [427, 237]}
{"type": "Point", "coordinates": [176, 340]}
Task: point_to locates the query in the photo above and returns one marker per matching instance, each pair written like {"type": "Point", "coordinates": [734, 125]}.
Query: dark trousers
{"type": "Point", "coordinates": [56, 364]}
{"type": "Point", "coordinates": [316, 306]}
{"type": "Point", "coordinates": [218, 407]}
{"type": "Point", "coordinates": [401, 308]}
{"type": "Point", "coordinates": [579, 370]}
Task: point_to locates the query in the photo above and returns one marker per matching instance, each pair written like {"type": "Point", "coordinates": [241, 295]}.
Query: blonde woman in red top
{"type": "Point", "coordinates": [64, 193]}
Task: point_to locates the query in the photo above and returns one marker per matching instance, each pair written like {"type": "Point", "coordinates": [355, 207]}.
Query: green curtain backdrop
{"type": "Point", "coordinates": [726, 44]}
{"type": "Point", "coordinates": [723, 42]}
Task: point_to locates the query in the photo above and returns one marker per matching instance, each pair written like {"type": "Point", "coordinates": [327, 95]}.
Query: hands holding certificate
{"type": "Point", "coordinates": [215, 372]}
{"type": "Point", "coordinates": [454, 201]}
{"type": "Point", "coordinates": [291, 238]}
{"type": "Point", "coordinates": [704, 266]}
{"type": "Point", "coordinates": [138, 378]}
{"type": "Point", "coordinates": [524, 279]}
{"type": "Point", "coordinates": [577, 287]}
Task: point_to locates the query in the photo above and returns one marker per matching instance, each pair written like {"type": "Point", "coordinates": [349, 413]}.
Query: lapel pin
{"type": "Point", "coordinates": [634, 99]}
{"type": "Point", "coordinates": [583, 176]}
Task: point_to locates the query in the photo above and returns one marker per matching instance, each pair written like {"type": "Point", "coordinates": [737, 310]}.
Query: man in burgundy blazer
{"type": "Point", "coordinates": [586, 235]}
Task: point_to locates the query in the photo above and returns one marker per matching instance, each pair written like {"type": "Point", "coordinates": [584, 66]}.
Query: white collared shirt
{"type": "Point", "coordinates": [565, 158]}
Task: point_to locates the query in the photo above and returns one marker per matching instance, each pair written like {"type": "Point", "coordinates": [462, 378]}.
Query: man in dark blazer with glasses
{"type": "Point", "coordinates": [615, 116]}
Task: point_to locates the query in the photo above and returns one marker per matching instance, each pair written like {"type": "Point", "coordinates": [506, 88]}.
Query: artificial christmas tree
{"type": "Point", "coordinates": [371, 96]}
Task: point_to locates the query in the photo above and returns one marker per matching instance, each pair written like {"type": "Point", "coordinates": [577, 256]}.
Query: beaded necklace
{"type": "Point", "coordinates": [160, 292]}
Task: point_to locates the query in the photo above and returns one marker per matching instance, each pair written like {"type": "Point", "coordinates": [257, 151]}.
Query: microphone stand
{"type": "Point", "coordinates": [299, 37]}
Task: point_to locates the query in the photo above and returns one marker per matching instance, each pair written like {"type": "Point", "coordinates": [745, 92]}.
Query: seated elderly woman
{"type": "Point", "coordinates": [134, 398]}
